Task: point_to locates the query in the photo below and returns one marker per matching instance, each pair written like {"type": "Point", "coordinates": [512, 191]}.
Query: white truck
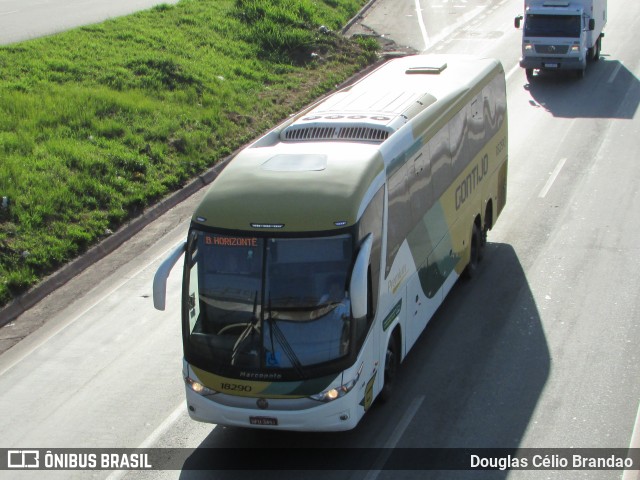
{"type": "Point", "coordinates": [561, 34]}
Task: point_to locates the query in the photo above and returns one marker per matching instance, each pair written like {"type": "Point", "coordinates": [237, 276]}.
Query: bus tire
{"type": "Point", "coordinates": [483, 243]}
{"type": "Point", "coordinates": [474, 253]}
{"type": "Point", "coordinates": [391, 364]}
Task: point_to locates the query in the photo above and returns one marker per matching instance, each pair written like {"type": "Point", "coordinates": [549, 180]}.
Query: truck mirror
{"type": "Point", "coordinates": [592, 24]}
{"type": "Point", "coordinates": [161, 276]}
{"type": "Point", "coordinates": [517, 20]}
{"type": "Point", "coordinates": [359, 278]}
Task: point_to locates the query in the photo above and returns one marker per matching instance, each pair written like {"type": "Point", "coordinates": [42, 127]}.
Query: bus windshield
{"type": "Point", "coordinates": [262, 305]}
{"type": "Point", "coordinates": [552, 26]}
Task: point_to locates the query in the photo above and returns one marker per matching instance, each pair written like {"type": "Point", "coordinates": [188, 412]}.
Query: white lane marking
{"type": "Point", "coordinates": [464, 18]}
{"type": "Point", "coordinates": [164, 426]}
{"type": "Point", "coordinates": [155, 435]}
{"type": "Point", "coordinates": [634, 443]}
{"type": "Point", "coordinates": [614, 73]}
{"type": "Point", "coordinates": [423, 28]}
{"type": "Point", "coordinates": [9, 13]}
{"type": "Point", "coordinates": [513, 70]}
{"type": "Point", "coordinates": [552, 178]}
{"type": "Point", "coordinates": [63, 325]}
{"type": "Point", "coordinates": [395, 437]}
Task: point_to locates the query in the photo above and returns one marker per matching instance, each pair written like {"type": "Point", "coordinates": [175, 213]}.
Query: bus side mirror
{"type": "Point", "coordinates": [592, 24]}
{"type": "Point", "coordinates": [358, 287]}
{"type": "Point", "coordinates": [161, 276]}
{"type": "Point", "coordinates": [517, 20]}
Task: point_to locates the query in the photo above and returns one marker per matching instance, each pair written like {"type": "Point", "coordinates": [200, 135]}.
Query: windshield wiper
{"type": "Point", "coordinates": [274, 329]}
{"type": "Point", "coordinates": [249, 329]}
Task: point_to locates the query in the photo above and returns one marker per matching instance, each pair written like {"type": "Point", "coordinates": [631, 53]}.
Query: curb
{"type": "Point", "coordinates": [357, 17]}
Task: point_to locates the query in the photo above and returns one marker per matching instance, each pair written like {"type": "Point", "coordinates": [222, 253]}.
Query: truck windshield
{"type": "Point", "coordinates": [261, 305]}
{"type": "Point", "coordinates": [552, 26]}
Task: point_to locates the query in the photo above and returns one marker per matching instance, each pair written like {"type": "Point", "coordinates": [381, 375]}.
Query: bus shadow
{"type": "Point", "coordinates": [472, 380]}
{"type": "Point", "coordinates": [608, 90]}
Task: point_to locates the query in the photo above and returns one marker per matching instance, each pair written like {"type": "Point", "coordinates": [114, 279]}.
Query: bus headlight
{"type": "Point", "coordinates": [330, 395]}
{"type": "Point", "coordinates": [336, 392]}
{"type": "Point", "coordinates": [198, 387]}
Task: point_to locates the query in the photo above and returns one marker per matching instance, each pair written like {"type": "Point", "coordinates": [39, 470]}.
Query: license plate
{"type": "Point", "coordinates": [551, 65]}
{"type": "Point", "coordinates": [263, 421]}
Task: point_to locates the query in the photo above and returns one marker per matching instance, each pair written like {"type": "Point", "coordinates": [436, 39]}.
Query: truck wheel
{"type": "Point", "coordinates": [529, 73]}
{"type": "Point", "coordinates": [596, 56]}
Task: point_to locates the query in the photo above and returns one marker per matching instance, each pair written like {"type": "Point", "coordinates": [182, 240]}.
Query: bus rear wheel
{"type": "Point", "coordinates": [475, 253]}
{"type": "Point", "coordinates": [391, 364]}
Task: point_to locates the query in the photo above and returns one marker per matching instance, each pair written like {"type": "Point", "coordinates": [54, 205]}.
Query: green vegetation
{"type": "Point", "coordinates": [99, 122]}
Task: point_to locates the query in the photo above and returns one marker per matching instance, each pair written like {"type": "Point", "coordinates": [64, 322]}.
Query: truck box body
{"type": "Point", "coordinates": [561, 34]}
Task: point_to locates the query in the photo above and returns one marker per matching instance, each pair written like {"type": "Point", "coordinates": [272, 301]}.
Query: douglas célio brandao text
{"type": "Point", "coordinates": [567, 461]}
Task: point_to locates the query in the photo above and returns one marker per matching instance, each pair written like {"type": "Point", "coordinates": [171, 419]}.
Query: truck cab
{"type": "Point", "coordinates": [561, 35]}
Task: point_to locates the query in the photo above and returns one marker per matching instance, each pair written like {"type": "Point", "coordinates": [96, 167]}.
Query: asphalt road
{"type": "Point", "coordinates": [25, 19]}
{"type": "Point", "coordinates": [539, 350]}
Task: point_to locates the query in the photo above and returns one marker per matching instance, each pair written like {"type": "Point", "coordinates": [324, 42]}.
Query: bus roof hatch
{"type": "Point", "coordinates": [427, 69]}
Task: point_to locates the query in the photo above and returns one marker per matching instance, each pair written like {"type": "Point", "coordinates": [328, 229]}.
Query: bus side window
{"type": "Point", "coordinates": [398, 220]}
{"type": "Point", "coordinates": [192, 305]}
{"type": "Point", "coordinates": [458, 142]}
{"type": "Point", "coordinates": [371, 222]}
{"type": "Point", "coordinates": [440, 158]}
{"type": "Point", "coordinates": [497, 105]}
{"type": "Point", "coordinates": [420, 185]}
{"type": "Point", "coordinates": [476, 131]}
{"type": "Point", "coordinates": [490, 113]}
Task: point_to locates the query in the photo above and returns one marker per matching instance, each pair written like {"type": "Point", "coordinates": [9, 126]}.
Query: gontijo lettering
{"type": "Point", "coordinates": [471, 181]}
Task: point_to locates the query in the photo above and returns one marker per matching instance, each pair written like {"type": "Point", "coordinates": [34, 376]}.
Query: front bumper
{"type": "Point", "coordinates": [553, 63]}
{"type": "Point", "coordinates": [340, 414]}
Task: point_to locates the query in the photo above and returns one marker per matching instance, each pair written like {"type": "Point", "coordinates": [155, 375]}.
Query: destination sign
{"type": "Point", "coordinates": [231, 241]}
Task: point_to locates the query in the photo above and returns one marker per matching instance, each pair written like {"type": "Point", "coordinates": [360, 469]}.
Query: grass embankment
{"type": "Point", "coordinates": [99, 122]}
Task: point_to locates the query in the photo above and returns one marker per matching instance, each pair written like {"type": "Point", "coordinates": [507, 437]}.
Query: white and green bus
{"type": "Point", "coordinates": [322, 250]}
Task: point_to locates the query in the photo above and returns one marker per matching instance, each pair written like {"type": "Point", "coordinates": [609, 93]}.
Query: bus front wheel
{"type": "Point", "coordinates": [391, 364]}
